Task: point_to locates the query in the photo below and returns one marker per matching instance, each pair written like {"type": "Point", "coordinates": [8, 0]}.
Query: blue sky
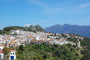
{"type": "Point", "coordinates": [44, 12]}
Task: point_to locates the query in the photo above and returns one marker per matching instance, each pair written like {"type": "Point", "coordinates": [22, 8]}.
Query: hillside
{"type": "Point", "coordinates": [48, 52]}
{"type": "Point", "coordinates": [35, 28]}
{"type": "Point", "coordinates": [32, 28]}
{"type": "Point", "coordinates": [67, 28]}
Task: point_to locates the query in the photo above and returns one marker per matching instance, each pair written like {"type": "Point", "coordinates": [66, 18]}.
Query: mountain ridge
{"type": "Point", "coordinates": [67, 28]}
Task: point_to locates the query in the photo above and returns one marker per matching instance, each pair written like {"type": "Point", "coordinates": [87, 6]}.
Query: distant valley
{"type": "Point", "coordinates": [67, 28]}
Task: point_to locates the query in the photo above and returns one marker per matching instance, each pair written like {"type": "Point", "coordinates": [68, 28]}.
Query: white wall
{"type": "Point", "coordinates": [11, 54]}
{"type": "Point", "coordinates": [37, 38]}
{"type": "Point", "coordinates": [1, 47]}
{"type": "Point", "coordinates": [0, 40]}
{"type": "Point", "coordinates": [2, 55]}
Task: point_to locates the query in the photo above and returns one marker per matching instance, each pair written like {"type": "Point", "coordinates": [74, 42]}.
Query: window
{"type": "Point", "coordinates": [13, 53]}
{"type": "Point", "coordinates": [0, 56]}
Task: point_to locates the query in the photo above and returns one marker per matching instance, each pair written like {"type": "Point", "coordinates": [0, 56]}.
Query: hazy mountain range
{"type": "Point", "coordinates": [67, 28]}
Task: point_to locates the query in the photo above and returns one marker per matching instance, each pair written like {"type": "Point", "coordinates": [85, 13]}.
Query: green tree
{"type": "Point", "coordinates": [69, 45]}
{"type": "Point", "coordinates": [21, 47]}
{"type": "Point", "coordinates": [6, 50]}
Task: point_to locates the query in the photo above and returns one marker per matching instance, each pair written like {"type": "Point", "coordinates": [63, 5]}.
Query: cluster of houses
{"type": "Point", "coordinates": [27, 37]}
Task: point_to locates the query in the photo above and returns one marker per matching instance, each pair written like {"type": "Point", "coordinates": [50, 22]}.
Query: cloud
{"type": "Point", "coordinates": [28, 25]}
{"type": "Point", "coordinates": [81, 6]}
{"type": "Point", "coordinates": [84, 5]}
{"type": "Point", "coordinates": [52, 10]}
{"type": "Point", "coordinates": [36, 2]}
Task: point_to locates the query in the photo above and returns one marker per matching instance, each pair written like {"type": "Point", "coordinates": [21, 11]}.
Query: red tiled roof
{"type": "Point", "coordinates": [34, 41]}
{"type": "Point", "coordinates": [41, 40]}
{"type": "Point", "coordinates": [29, 37]}
{"type": "Point", "coordinates": [12, 49]}
{"type": "Point", "coordinates": [1, 45]}
{"type": "Point", "coordinates": [1, 51]}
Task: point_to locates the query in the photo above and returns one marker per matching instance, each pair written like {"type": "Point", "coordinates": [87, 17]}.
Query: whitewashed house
{"type": "Point", "coordinates": [1, 47]}
{"type": "Point", "coordinates": [12, 32]}
{"type": "Point", "coordinates": [29, 39]}
{"type": "Point", "coordinates": [17, 31]}
{"type": "Point", "coordinates": [12, 54]}
{"type": "Point", "coordinates": [1, 40]}
{"type": "Point", "coordinates": [1, 54]}
{"type": "Point", "coordinates": [37, 37]}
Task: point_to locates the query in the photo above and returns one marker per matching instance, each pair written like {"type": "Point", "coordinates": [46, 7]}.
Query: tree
{"type": "Point", "coordinates": [69, 45]}
{"type": "Point", "coordinates": [57, 53]}
{"type": "Point", "coordinates": [6, 50]}
{"type": "Point", "coordinates": [45, 56]}
{"type": "Point", "coordinates": [21, 47]}
{"type": "Point", "coordinates": [40, 58]}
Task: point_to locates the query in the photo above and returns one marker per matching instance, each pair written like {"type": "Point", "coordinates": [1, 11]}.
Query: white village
{"type": "Point", "coordinates": [27, 37]}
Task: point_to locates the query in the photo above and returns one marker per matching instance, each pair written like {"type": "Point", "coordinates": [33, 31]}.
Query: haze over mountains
{"type": "Point", "coordinates": [67, 28]}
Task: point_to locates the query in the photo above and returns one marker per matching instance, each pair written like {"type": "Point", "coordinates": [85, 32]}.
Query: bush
{"type": "Point", "coordinates": [20, 52]}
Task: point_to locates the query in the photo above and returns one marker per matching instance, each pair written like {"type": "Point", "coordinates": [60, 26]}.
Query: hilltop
{"type": "Point", "coordinates": [32, 28]}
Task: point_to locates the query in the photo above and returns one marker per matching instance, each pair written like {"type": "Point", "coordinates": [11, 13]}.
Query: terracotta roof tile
{"type": "Point", "coordinates": [29, 37]}
{"type": "Point", "coordinates": [12, 50]}
{"type": "Point", "coordinates": [1, 51]}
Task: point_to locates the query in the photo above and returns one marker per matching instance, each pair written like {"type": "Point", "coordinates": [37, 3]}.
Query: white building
{"type": "Point", "coordinates": [0, 39]}
{"type": "Point", "coordinates": [12, 54]}
{"type": "Point", "coordinates": [1, 47]}
{"type": "Point", "coordinates": [37, 37]}
{"type": "Point", "coordinates": [1, 54]}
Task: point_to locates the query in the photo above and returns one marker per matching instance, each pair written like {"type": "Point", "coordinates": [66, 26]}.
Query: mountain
{"type": "Point", "coordinates": [67, 28]}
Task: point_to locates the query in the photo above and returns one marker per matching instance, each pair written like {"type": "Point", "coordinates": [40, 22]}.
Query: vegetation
{"type": "Point", "coordinates": [6, 50]}
{"type": "Point", "coordinates": [4, 32]}
{"type": "Point", "coordinates": [13, 28]}
{"type": "Point", "coordinates": [7, 30]}
{"type": "Point", "coordinates": [72, 40]}
{"type": "Point", "coordinates": [86, 45]}
{"type": "Point", "coordinates": [56, 52]}
{"type": "Point", "coordinates": [85, 42]}
{"type": "Point", "coordinates": [35, 28]}
{"type": "Point", "coordinates": [6, 53]}
{"type": "Point", "coordinates": [48, 52]}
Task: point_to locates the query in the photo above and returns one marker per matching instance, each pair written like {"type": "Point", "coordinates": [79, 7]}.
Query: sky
{"type": "Point", "coordinates": [46, 13]}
